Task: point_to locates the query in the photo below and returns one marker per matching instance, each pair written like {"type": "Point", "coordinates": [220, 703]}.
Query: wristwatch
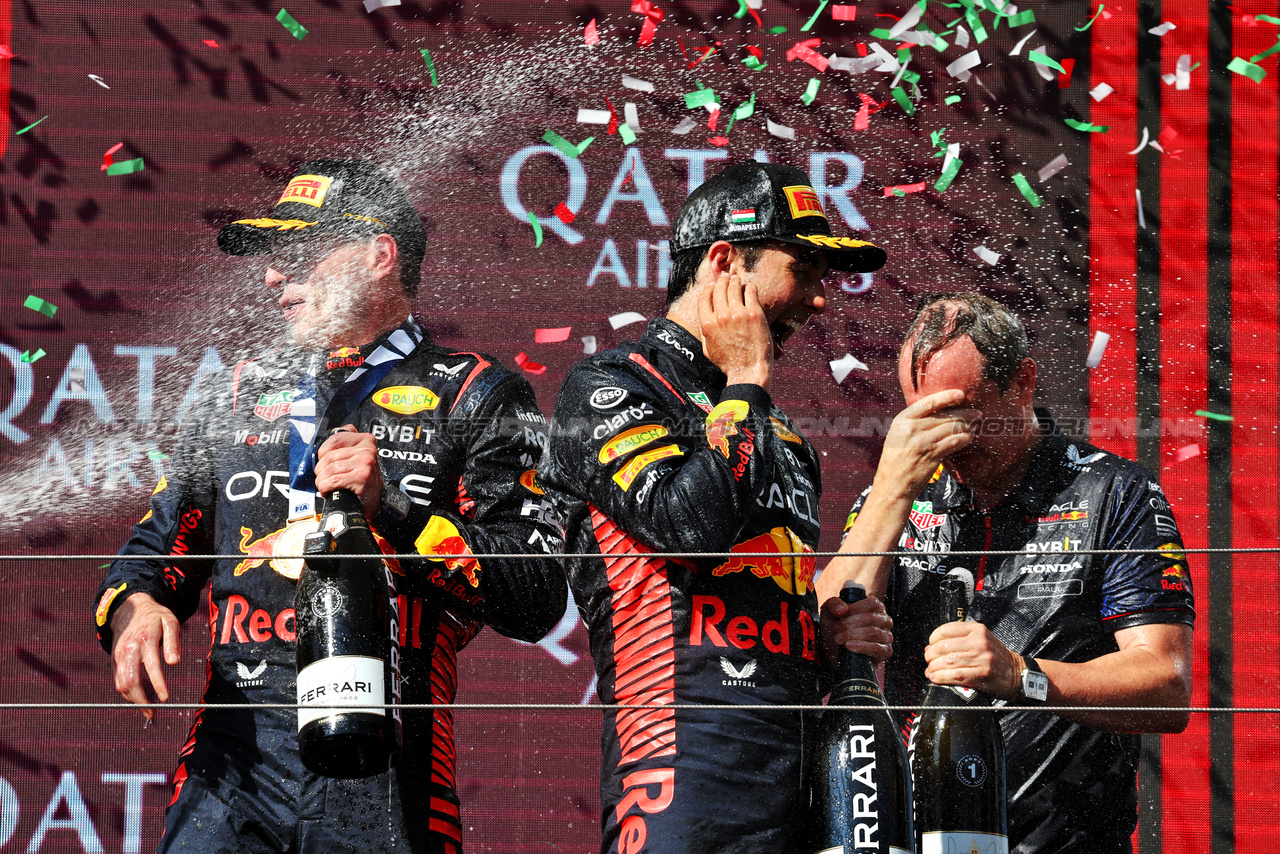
{"type": "Point", "coordinates": [395, 503]}
{"type": "Point", "coordinates": [1035, 685]}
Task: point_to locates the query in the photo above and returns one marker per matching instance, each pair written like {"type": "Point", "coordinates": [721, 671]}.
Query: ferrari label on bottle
{"type": "Point", "coordinates": [341, 683]}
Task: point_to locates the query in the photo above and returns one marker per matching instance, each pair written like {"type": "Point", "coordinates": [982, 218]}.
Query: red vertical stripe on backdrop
{"type": "Point", "coordinates": [1254, 455]}
{"type": "Point", "coordinates": [6, 37]}
{"type": "Point", "coordinates": [1113, 227]}
{"type": "Point", "coordinates": [1184, 367]}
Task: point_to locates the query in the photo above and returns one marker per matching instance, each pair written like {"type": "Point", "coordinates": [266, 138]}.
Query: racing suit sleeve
{"type": "Point", "coordinates": [674, 480]}
{"type": "Point", "coordinates": [179, 522]}
{"type": "Point", "coordinates": [499, 509]}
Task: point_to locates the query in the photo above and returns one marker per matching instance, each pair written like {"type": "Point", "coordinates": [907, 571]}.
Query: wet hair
{"type": "Point", "coordinates": [995, 331]}
{"type": "Point", "coordinates": [685, 264]}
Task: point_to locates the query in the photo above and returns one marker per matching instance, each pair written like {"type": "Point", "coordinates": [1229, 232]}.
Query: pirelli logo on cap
{"type": "Point", "coordinates": [804, 202]}
{"type": "Point", "coordinates": [307, 189]}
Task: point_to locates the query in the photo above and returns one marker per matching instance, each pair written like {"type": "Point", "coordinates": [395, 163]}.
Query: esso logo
{"type": "Point", "coordinates": [607, 397]}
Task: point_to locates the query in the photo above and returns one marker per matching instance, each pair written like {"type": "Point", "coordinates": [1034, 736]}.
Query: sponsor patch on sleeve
{"type": "Point", "coordinates": [529, 480]}
{"type": "Point", "coordinates": [783, 433]}
{"type": "Point", "coordinates": [442, 537]}
{"type": "Point", "coordinates": [630, 440]}
{"type": "Point", "coordinates": [721, 421]}
{"type": "Point", "coordinates": [104, 604]}
{"type": "Point", "coordinates": [626, 475]}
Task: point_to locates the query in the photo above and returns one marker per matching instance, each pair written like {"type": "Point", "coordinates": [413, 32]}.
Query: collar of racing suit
{"type": "Point", "coordinates": [684, 349]}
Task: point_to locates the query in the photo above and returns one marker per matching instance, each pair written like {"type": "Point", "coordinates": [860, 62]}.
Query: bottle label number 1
{"type": "Point", "coordinates": [971, 770]}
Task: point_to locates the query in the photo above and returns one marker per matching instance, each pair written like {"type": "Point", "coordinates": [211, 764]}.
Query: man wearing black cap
{"type": "Point", "coordinates": [440, 448]}
{"type": "Point", "coordinates": [672, 444]}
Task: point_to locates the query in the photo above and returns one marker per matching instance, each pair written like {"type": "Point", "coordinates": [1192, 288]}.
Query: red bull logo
{"type": "Point", "coordinates": [259, 551]}
{"type": "Point", "coordinates": [442, 537]}
{"type": "Point", "coordinates": [721, 423]}
{"type": "Point", "coordinates": [1172, 577]}
{"type": "Point", "coordinates": [792, 570]}
{"type": "Point", "coordinates": [345, 357]}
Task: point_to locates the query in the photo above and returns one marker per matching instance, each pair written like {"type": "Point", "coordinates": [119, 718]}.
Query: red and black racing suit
{"type": "Point", "coordinates": [1070, 787]}
{"type": "Point", "coordinates": [650, 451]}
{"type": "Point", "coordinates": [460, 436]}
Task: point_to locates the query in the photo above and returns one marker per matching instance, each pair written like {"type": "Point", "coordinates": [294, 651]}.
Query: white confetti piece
{"type": "Point", "coordinates": [953, 151]}
{"type": "Point", "coordinates": [992, 258]}
{"type": "Point", "coordinates": [962, 37]}
{"type": "Point", "coordinates": [588, 344]}
{"type": "Point", "coordinates": [96, 79]}
{"type": "Point", "coordinates": [1044, 71]}
{"type": "Point", "coordinates": [1168, 79]}
{"type": "Point", "coordinates": [841, 368]}
{"type": "Point", "coordinates": [1096, 349]}
{"type": "Point", "coordinates": [618, 321]}
{"type": "Point", "coordinates": [1163, 29]}
{"type": "Point", "coordinates": [888, 62]}
{"type": "Point", "coordinates": [593, 117]}
{"type": "Point", "coordinates": [637, 84]}
{"type": "Point", "coordinates": [853, 64]}
{"type": "Point", "coordinates": [632, 115]}
{"type": "Point", "coordinates": [686, 124]}
{"type": "Point", "coordinates": [907, 21]}
{"type": "Point", "coordinates": [755, 4]}
{"type": "Point", "coordinates": [964, 63]}
{"type": "Point", "coordinates": [1053, 167]}
{"type": "Point", "coordinates": [1182, 73]}
{"type": "Point", "coordinates": [780, 130]}
{"type": "Point", "coordinates": [1017, 48]}
{"type": "Point", "coordinates": [1146, 137]}
{"type": "Point", "coordinates": [1100, 91]}
{"type": "Point", "coordinates": [1142, 220]}
{"type": "Point", "coordinates": [370, 5]}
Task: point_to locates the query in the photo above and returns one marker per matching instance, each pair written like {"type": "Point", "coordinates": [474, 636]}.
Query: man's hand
{"type": "Point", "coordinates": [922, 436]}
{"type": "Point", "coordinates": [735, 331]}
{"type": "Point", "coordinates": [349, 460]}
{"type": "Point", "coordinates": [863, 627]}
{"type": "Point", "coordinates": [967, 654]}
{"type": "Point", "coordinates": [141, 629]}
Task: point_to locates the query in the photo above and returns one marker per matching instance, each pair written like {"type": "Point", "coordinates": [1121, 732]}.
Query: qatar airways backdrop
{"type": "Point", "coordinates": [1101, 172]}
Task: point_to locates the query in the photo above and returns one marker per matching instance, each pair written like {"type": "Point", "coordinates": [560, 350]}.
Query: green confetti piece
{"type": "Point", "coordinates": [34, 303]}
{"type": "Point", "coordinates": [1215, 416]}
{"type": "Point", "coordinates": [904, 102]}
{"type": "Point", "coordinates": [811, 92]}
{"type": "Point", "coordinates": [563, 145]}
{"type": "Point", "coordinates": [127, 167]}
{"type": "Point", "coordinates": [742, 9]}
{"type": "Point", "coordinates": [537, 229]}
{"type": "Point", "coordinates": [904, 54]}
{"type": "Point", "coordinates": [29, 357]}
{"type": "Point", "coordinates": [700, 98]}
{"type": "Point", "coordinates": [746, 109]}
{"type": "Point", "coordinates": [1086, 126]}
{"type": "Point", "coordinates": [1027, 193]}
{"type": "Point", "coordinates": [910, 76]}
{"type": "Point", "coordinates": [753, 63]}
{"type": "Point", "coordinates": [1022, 19]}
{"type": "Point", "coordinates": [1091, 20]}
{"type": "Point", "coordinates": [1267, 19]}
{"type": "Point", "coordinates": [104, 566]}
{"type": "Point", "coordinates": [1041, 59]}
{"type": "Point", "coordinates": [29, 127]}
{"type": "Point", "coordinates": [935, 137]}
{"type": "Point", "coordinates": [291, 24]}
{"type": "Point", "coordinates": [951, 99]}
{"type": "Point", "coordinates": [704, 56]}
{"type": "Point", "coordinates": [582, 146]}
{"type": "Point", "coordinates": [431, 66]}
{"type": "Point", "coordinates": [777, 31]}
{"type": "Point", "coordinates": [902, 194]}
{"type": "Point", "coordinates": [809, 23]}
{"type": "Point", "coordinates": [627, 134]}
{"type": "Point", "coordinates": [1247, 69]}
{"type": "Point", "coordinates": [154, 455]}
{"type": "Point", "coordinates": [880, 33]}
{"type": "Point", "coordinates": [1265, 53]}
{"type": "Point", "coordinates": [948, 175]}
{"type": "Point", "coordinates": [975, 25]}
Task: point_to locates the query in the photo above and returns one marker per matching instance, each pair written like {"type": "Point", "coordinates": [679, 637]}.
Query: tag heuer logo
{"type": "Point", "coordinates": [923, 517]}
{"type": "Point", "coordinates": [271, 406]}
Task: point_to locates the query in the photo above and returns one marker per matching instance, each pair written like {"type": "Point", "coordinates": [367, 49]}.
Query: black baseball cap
{"type": "Point", "coordinates": [329, 196]}
{"type": "Point", "coordinates": [767, 201]}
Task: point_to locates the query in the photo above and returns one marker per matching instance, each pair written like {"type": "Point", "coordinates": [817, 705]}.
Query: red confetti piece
{"type": "Point", "coordinates": [650, 11]}
{"type": "Point", "coordinates": [862, 49]}
{"type": "Point", "coordinates": [705, 54]}
{"type": "Point", "coordinates": [613, 117]}
{"type": "Point", "coordinates": [589, 34]}
{"type": "Point", "coordinates": [719, 141]}
{"type": "Point", "coordinates": [863, 119]}
{"type": "Point", "coordinates": [805, 50]}
{"type": "Point", "coordinates": [1248, 21]}
{"type": "Point", "coordinates": [683, 52]}
{"type": "Point", "coordinates": [529, 365]}
{"type": "Point", "coordinates": [754, 51]}
{"type": "Point", "coordinates": [1106, 16]}
{"type": "Point", "coordinates": [551, 335]}
{"type": "Point", "coordinates": [564, 214]}
{"type": "Point", "coordinates": [5, 53]}
{"type": "Point", "coordinates": [714, 120]}
{"type": "Point", "coordinates": [107, 159]}
{"type": "Point", "coordinates": [211, 43]}
{"type": "Point", "coordinates": [1183, 454]}
{"type": "Point", "coordinates": [1064, 80]}
{"type": "Point", "coordinates": [869, 103]}
{"type": "Point", "coordinates": [647, 32]}
{"type": "Point", "coordinates": [756, 15]}
{"type": "Point", "coordinates": [906, 188]}
{"type": "Point", "coordinates": [844, 13]}
{"type": "Point", "coordinates": [809, 44]}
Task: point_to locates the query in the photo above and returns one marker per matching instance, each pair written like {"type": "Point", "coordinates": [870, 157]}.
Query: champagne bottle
{"type": "Point", "coordinates": [957, 761]}
{"type": "Point", "coordinates": [861, 785]}
{"type": "Point", "coordinates": [348, 650]}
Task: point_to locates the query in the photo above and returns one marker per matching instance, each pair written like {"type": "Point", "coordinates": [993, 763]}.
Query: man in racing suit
{"type": "Point", "coordinates": [440, 446]}
{"type": "Point", "coordinates": [1050, 624]}
{"type": "Point", "coordinates": [673, 444]}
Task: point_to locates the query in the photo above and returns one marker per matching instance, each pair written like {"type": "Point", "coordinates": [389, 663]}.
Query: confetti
{"type": "Point", "coordinates": [746, 109]}
{"type": "Point", "coordinates": [528, 365]}
{"type": "Point", "coordinates": [155, 455]}
{"type": "Point", "coordinates": [431, 66]}
{"type": "Point", "coordinates": [903, 189]}
{"type": "Point", "coordinates": [1146, 136]}
{"type": "Point", "coordinates": [746, 7]}
{"type": "Point", "coordinates": [1142, 220]}
{"type": "Point", "coordinates": [719, 141]}
{"type": "Point", "coordinates": [34, 303]}
{"type": "Point", "coordinates": [888, 62]}
{"type": "Point", "coordinates": [843, 13]}
{"type": "Point", "coordinates": [808, 25]}
{"type": "Point", "coordinates": [588, 344]}
{"type": "Point", "coordinates": [96, 79]}
{"type": "Point", "coordinates": [1096, 349]}
{"type": "Point", "coordinates": [908, 21]}
{"type": "Point", "coordinates": [627, 134]}
{"type": "Point", "coordinates": [1182, 73]}
{"type": "Point", "coordinates": [810, 56]}
{"type": "Point", "coordinates": [1017, 49]}
{"type": "Point", "coordinates": [700, 98]}
{"type": "Point", "coordinates": [1086, 126]}
{"type": "Point", "coordinates": [29, 127]}
{"type": "Point", "coordinates": [563, 145]}
{"type": "Point", "coordinates": [1185, 453]}
{"type": "Point", "coordinates": [1267, 18]}
{"type": "Point", "coordinates": [211, 43]}
{"type": "Point", "coordinates": [589, 33]}
{"type": "Point", "coordinates": [1027, 193]}
{"type": "Point", "coordinates": [811, 92]}
{"type": "Point", "coordinates": [1021, 19]}
{"type": "Point", "coordinates": [754, 63]}
{"type": "Point", "coordinates": [987, 255]}
{"type": "Point", "coordinates": [370, 5]}
{"type": "Point", "coordinates": [1163, 29]}
{"type": "Point", "coordinates": [593, 117]}
{"type": "Point", "coordinates": [1091, 20]}
{"type": "Point", "coordinates": [777, 31]}
{"type": "Point", "coordinates": [964, 63]}
{"type": "Point", "coordinates": [647, 32]}
{"type": "Point", "coordinates": [537, 229]}
{"type": "Point", "coordinates": [1100, 91]}
{"type": "Point", "coordinates": [1064, 79]}
{"type": "Point", "coordinates": [1053, 167]}
{"type": "Point", "coordinates": [951, 99]}
{"type": "Point", "coordinates": [962, 37]}
{"type": "Point", "coordinates": [1261, 56]}
{"type": "Point", "coordinates": [1041, 59]}
{"type": "Point", "coordinates": [107, 159]}
{"type": "Point", "coordinates": [564, 214]}
{"type": "Point", "coordinates": [126, 167]}
{"type": "Point", "coordinates": [778, 130]}
{"type": "Point", "coordinates": [632, 116]}
{"type": "Point", "coordinates": [1239, 66]}
{"type": "Point", "coordinates": [949, 172]}
{"type": "Point", "coordinates": [842, 367]}
{"type": "Point", "coordinates": [6, 53]}
{"type": "Point", "coordinates": [291, 24]}
{"type": "Point", "coordinates": [904, 102]}
{"type": "Point", "coordinates": [1214, 416]}
{"type": "Point", "coordinates": [637, 84]}
{"type": "Point", "coordinates": [551, 335]}
{"type": "Point", "coordinates": [622, 319]}
{"type": "Point", "coordinates": [686, 124]}
{"type": "Point", "coordinates": [29, 357]}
